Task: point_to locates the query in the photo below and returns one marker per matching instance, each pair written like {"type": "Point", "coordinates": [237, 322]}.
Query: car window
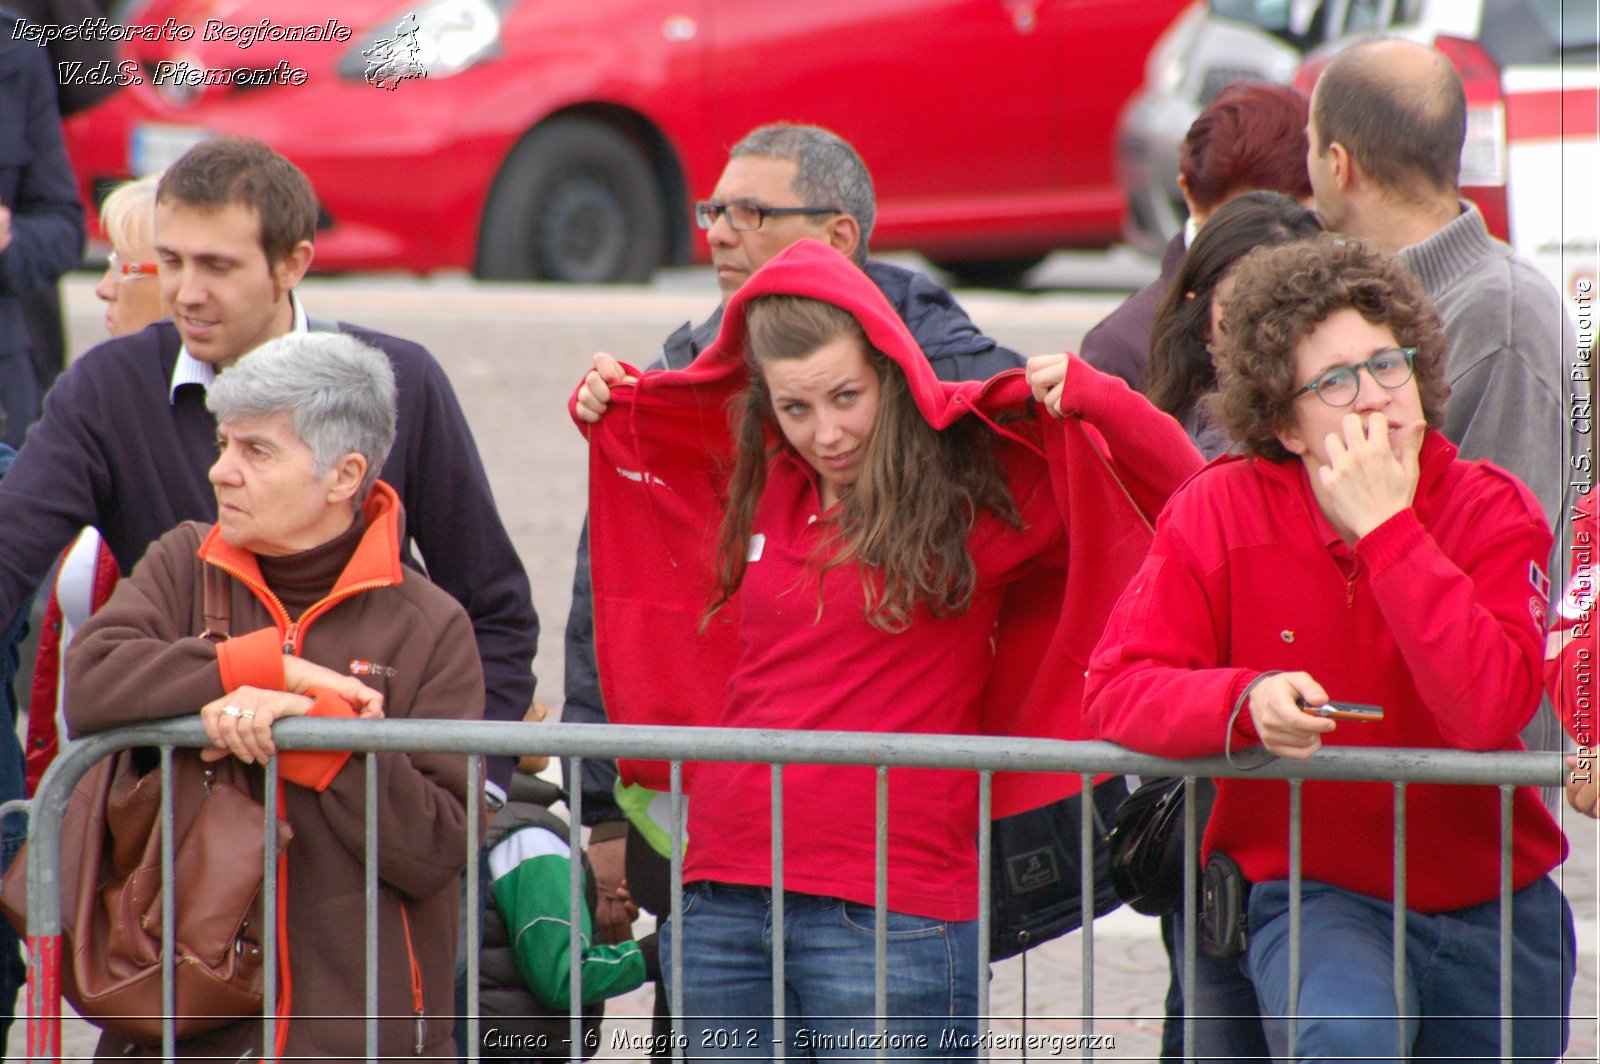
{"type": "Point", "coordinates": [1298, 22]}
{"type": "Point", "coordinates": [1365, 15]}
{"type": "Point", "coordinates": [1521, 32]}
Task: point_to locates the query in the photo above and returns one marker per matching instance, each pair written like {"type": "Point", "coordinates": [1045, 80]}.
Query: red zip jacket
{"type": "Point", "coordinates": [659, 462]}
{"type": "Point", "coordinates": [1436, 615]}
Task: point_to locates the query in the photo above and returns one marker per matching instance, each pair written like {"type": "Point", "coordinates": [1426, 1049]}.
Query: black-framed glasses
{"type": "Point", "coordinates": [744, 217]}
{"type": "Point", "coordinates": [1340, 385]}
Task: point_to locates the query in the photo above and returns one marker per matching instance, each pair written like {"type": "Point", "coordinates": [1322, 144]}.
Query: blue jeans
{"type": "Point", "coordinates": [1452, 991]}
{"type": "Point", "coordinates": [1227, 1019]}
{"type": "Point", "coordinates": [725, 932]}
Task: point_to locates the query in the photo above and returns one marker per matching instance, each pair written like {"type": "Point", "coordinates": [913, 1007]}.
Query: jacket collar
{"type": "Point", "coordinates": [1441, 259]}
{"type": "Point", "coordinates": [376, 561]}
{"type": "Point", "coordinates": [1438, 454]}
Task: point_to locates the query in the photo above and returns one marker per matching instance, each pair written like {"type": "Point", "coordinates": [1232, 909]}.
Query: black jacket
{"type": "Point", "coordinates": [37, 187]}
{"type": "Point", "coordinates": [957, 351]}
{"type": "Point", "coordinates": [1120, 343]}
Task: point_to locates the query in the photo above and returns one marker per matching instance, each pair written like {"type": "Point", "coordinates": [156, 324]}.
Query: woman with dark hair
{"type": "Point", "coordinates": [1349, 555]}
{"type": "Point", "coordinates": [1252, 136]}
{"type": "Point", "coordinates": [1181, 370]}
{"type": "Point", "coordinates": [877, 537]}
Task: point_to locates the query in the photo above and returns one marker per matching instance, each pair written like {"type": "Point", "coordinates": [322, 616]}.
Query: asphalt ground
{"type": "Point", "coordinates": [514, 354]}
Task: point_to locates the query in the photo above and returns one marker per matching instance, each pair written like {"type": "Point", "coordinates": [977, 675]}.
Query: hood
{"type": "Point", "coordinates": [813, 269]}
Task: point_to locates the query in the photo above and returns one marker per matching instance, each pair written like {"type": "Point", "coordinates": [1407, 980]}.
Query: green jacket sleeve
{"type": "Point", "coordinates": [530, 874]}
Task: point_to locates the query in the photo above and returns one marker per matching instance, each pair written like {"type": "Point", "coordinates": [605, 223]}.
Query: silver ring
{"type": "Point", "coordinates": [232, 711]}
{"type": "Point", "coordinates": [247, 713]}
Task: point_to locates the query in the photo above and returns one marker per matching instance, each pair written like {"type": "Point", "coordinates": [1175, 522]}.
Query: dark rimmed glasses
{"type": "Point", "coordinates": [744, 217]}
{"type": "Point", "coordinates": [1339, 386]}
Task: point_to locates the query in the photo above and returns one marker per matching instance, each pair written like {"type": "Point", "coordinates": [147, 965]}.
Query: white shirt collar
{"type": "Point", "coordinates": [190, 370]}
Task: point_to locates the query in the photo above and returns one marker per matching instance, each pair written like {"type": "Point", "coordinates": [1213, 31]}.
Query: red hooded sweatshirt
{"type": "Point", "coordinates": [786, 654]}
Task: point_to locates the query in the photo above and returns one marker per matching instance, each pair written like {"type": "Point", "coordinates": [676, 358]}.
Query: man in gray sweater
{"type": "Point", "coordinates": [1388, 119]}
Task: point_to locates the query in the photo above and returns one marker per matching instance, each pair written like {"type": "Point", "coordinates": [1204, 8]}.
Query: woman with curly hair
{"type": "Point", "coordinates": [1349, 555]}
{"type": "Point", "coordinates": [877, 537]}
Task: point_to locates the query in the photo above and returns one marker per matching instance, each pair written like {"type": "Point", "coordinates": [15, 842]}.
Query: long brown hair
{"type": "Point", "coordinates": [906, 519]}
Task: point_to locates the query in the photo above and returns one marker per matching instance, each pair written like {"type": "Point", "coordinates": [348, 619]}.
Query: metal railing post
{"type": "Point", "coordinates": [985, 899]}
{"type": "Point", "coordinates": [474, 943]}
{"type": "Point", "coordinates": [779, 960]}
{"type": "Point", "coordinates": [982, 754]}
{"type": "Point", "coordinates": [1086, 836]}
{"type": "Point", "coordinates": [575, 908]}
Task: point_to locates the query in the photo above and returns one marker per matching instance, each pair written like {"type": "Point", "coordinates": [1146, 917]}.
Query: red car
{"type": "Point", "coordinates": [561, 140]}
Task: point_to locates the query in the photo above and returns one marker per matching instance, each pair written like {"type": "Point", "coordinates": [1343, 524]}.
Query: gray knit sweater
{"type": "Point", "coordinates": [1511, 345]}
{"type": "Point", "coordinates": [1510, 342]}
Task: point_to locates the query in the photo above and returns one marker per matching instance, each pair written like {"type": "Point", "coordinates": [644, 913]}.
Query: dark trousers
{"type": "Point", "coordinates": [650, 882]}
{"type": "Point", "coordinates": [14, 829]}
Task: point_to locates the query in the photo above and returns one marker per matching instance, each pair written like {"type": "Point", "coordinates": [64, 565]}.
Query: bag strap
{"type": "Point", "coordinates": [218, 604]}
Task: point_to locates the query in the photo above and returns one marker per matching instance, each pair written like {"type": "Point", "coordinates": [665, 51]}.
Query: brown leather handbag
{"type": "Point", "coordinates": [111, 888]}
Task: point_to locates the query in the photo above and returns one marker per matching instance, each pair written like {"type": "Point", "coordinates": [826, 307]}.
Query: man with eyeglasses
{"type": "Point", "coordinates": [1349, 558]}
{"type": "Point", "coordinates": [782, 183]}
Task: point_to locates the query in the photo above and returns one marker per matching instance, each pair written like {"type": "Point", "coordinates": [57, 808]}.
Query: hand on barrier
{"type": "Point", "coordinates": [240, 722]}
{"type": "Point", "coordinates": [1283, 727]}
{"type": "Point", "coordinates": [1582, 793]}
{"type": "Point", "coordinates": [533, 764]}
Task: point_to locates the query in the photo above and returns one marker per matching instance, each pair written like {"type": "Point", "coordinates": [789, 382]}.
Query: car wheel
{"type": "Point", "coordinates": [989, 273]}
{"type": "Point", "coordinates": [575, 201]}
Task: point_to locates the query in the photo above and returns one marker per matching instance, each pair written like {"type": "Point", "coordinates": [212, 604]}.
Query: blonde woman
{"type": "Point", "coordinates": [129, 288]}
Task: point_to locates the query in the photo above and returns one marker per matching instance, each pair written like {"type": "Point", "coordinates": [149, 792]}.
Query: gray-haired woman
{"type": "Point", "coordinates": [325, 622]}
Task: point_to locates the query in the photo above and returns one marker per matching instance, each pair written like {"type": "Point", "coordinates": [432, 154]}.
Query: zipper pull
{"type": "Point", "coordinates": [288, 637]}
{"type": "Point", "coordinates": [422, 1025]}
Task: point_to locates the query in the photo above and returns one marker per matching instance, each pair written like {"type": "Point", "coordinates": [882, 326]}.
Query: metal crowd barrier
{"type": "Point", "coordinates": [984, 755]}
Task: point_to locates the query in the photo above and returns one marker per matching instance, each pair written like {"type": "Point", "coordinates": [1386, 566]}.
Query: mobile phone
{"type": "Point", "coordinates": [1343, 710]}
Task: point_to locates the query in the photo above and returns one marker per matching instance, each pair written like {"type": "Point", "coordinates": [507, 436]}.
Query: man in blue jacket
{"type": "Point", "coordinates": [783, 183]}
